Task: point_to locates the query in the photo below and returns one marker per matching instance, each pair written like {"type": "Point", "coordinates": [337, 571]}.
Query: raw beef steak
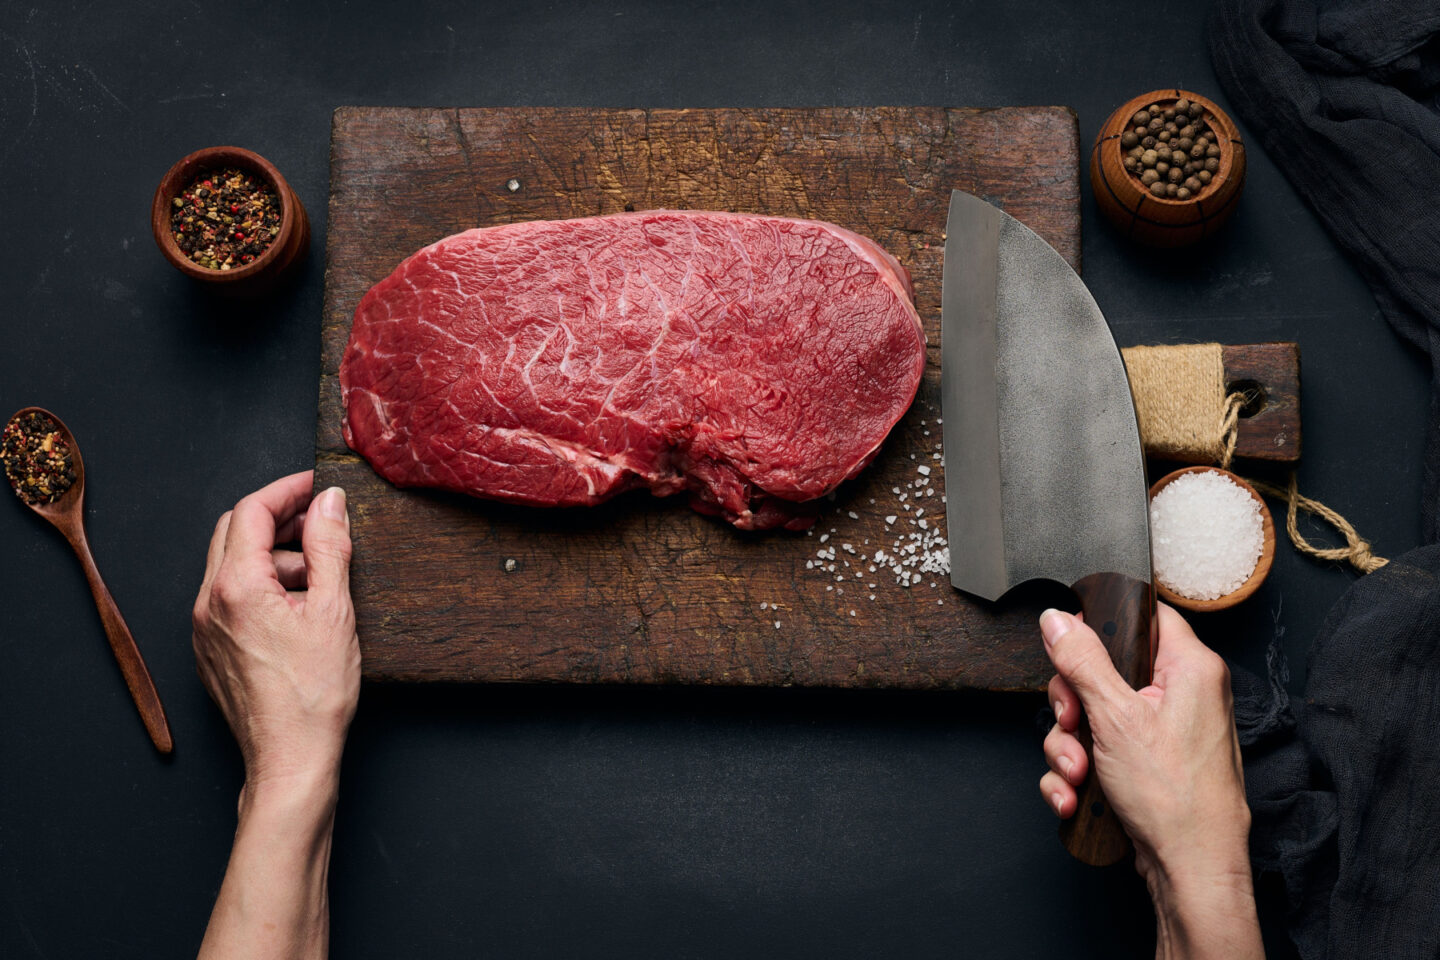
{"type": "Point", "coordinates": [754, 362]}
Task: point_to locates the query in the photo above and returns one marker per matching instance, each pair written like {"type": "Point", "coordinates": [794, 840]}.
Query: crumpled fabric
{"type": "Point", "coordinates": [1344, 785]}
{"type": "Point", "coordinates": [1344, 96]}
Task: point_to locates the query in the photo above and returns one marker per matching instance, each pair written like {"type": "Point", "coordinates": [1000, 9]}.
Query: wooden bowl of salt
{"type": "Point", "coordinates": [1204, 539]}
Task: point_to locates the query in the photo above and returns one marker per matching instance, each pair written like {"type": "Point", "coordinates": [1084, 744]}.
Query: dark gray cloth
{"type": "Point", "coordinates": [1345, 98]}
{"type": "Point", "coordinates": [1345, 786]}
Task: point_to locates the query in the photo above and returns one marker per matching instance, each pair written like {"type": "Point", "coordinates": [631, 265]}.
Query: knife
{"type": "Point", "coordinates": [1044, 473]}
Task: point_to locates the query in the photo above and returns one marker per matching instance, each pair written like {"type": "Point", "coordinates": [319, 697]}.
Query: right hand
{"type": "Point", "coordinates": [1167, 756]}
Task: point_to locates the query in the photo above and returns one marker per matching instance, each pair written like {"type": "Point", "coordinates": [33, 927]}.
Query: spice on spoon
{"type": "Point", "coordinates": [38, 461]}
{"type": "Point", "coordinates": [225, 218]}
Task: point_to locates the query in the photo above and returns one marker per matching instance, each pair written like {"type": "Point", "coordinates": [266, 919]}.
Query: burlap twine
{"type": "Point", "coordinates": [1185, 414]}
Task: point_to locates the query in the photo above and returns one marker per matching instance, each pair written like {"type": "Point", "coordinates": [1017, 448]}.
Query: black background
{"type": "Point", "coordinates": [518, 822]}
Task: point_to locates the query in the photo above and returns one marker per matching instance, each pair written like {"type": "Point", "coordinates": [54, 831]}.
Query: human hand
{"type": "Point", "coordinates": [1169, 760]}
{"type": "Point", "coordinates": [274, 632]}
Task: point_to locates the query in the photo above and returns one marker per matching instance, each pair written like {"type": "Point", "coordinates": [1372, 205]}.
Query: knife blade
{"type": "Point", "coordinates": [1044, 472]}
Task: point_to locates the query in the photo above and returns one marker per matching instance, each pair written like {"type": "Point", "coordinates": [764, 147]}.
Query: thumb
{"type": "Point", "coordinates": [326, 545]}
{"type": "Point", "coordinates": [1080, 658]}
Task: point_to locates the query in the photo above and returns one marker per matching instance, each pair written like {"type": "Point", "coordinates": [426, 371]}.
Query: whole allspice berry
{"type": "Point", "coordinates": [1170, 149]}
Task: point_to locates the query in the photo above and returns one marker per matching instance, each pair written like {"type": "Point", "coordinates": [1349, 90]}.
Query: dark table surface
{"type": "Point", "coordinates": [517, 822]}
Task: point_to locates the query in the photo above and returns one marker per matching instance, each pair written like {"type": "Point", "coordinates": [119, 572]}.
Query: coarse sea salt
{"type": "Point", "coordinates": [1206, 535]}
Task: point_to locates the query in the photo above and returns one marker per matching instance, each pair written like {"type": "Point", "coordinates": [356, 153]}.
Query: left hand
{"type": "Point", "coordinates": [275, 641]}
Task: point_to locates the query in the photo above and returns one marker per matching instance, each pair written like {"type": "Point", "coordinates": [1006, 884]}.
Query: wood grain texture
{"type": "Point", "coordinates": [67, 514]}
{"type": "Point", "coordinates": [1272, 432]}
{"type": "Point", "coordinates": [641, 590]}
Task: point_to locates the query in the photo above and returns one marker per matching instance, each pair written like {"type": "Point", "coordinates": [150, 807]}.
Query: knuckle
{"type": "Point", "coordinates": [200, 613]}
{"type": "Point", "coordinates": [1221, 669]}
{"type": "Point", "coordinates": [333, 548]}
{"type": "Point", "coordinates": [1054, 741]}
{"type": "Point", "coordinates": [1212, 669]}
{"type": "Point", "coordinates": [224, 593]}
{"type": "Point", "coordinates": [1076, 659]}
{"type": "Point", "coordinates": [1047, 785]}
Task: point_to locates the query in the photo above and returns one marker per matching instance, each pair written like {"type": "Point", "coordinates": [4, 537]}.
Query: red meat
{"type": "Point", "coordinates": [753, 362]}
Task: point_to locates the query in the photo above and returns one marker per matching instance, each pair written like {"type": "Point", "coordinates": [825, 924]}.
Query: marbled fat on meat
{"type": "Point", "coordinates": [753, 362]}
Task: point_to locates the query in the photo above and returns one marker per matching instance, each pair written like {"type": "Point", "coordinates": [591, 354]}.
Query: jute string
{"type": "Point", "coordinates": [1185, 414]}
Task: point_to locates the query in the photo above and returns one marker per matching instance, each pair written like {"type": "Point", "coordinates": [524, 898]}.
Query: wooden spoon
{"type": "Point", "coordinates": [67, 514]}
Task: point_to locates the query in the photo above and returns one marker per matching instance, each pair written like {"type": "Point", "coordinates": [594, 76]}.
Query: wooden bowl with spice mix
{"type": "Point", "coordinates": [1167, 168]}
{"type": "Point", "coordinates": [226, 217]}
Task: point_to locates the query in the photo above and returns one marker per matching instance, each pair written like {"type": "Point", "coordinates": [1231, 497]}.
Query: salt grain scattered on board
{"type": "Point", "coordinates": [910, 555]}
{"type": "Point", "coordinates": [1206, 535]}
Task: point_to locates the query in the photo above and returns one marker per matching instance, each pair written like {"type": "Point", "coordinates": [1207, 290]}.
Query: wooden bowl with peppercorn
{"type": "Point", "coordinates": [224, 216]}
{"type": "Point", "coordinates": [1168, 167]}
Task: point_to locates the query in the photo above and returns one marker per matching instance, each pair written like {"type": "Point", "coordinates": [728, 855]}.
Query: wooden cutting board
{"type": "Point", "coordinates": [642, 590]}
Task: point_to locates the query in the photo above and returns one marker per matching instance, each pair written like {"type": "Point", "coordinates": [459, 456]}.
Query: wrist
{"type": "Point", "coordinates": [1205, 913]}
{"type": "Point", "coordinates": [297, 796]}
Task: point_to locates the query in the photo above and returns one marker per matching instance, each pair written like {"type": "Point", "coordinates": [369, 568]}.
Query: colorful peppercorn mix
{"type": "Point", "coordinates": [38, 462]}
{"type": "Point", "coordinates": [225, 219]}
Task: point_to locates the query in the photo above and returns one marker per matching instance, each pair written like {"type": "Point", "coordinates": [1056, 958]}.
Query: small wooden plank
{"type": "Point", "coordinates": [1272, 432]}
{"type": "Point", "coordinates": [641, 590]}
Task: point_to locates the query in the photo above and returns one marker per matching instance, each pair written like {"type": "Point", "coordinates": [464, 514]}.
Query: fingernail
{"type": "Point", "coordinates": [1066, 765]}
{"type": "Point", "coordinates": [1059, 709]}
{"type": "Point", "coordinates": [1056, 801]}
{"type": "Point", "coordinates": [332, 504]}
{"type": "Point", "coordinates": [1054, 624]}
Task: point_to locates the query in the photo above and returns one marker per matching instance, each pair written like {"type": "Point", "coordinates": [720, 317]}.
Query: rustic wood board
{"type": "Point", "coordinates": [641, 590]}
{"type": "Point", "coordinates": [1272, 431]}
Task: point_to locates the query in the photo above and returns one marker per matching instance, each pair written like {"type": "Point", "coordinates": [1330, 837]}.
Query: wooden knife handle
{"type": "Point", "coordinates": [122, 644]}
{"type": "Point", "coordinates": [1121, 610]}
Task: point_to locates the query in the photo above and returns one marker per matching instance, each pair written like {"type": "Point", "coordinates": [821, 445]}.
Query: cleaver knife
{"type": "Point", "coordinates": [1044, 472]}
